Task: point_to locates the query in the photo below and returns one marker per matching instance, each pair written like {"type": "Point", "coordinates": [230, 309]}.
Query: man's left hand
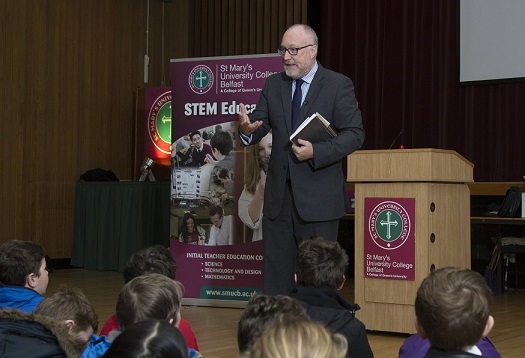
{"type": "Point", "coordinates": [303, 151]}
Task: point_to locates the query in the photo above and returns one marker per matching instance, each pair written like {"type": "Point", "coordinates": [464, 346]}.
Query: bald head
{"type": "Point", "coordinates": [303, 38]}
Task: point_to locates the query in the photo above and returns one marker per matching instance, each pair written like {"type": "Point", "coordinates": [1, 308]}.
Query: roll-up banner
{"type": "Point", "coordinates": [215, 226]}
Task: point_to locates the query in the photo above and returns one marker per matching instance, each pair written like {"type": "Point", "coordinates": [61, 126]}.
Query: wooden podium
{"type": "Point", "coordinates": [436, 180]}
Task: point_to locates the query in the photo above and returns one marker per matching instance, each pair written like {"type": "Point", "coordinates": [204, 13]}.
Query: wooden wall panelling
{"type": "Point", "coordinates": [69, 71]}
{"type": "Point", "coordinates": [11, 127]}
{"type": "Point", "coordinates": [259, 27]}
{"type": "Point", "coordinates": [68, 75]}
{"type": "Point", "coordinates": [253, 25]}
{"type": "Point", "coordinates": [227, 13]}
{"type": "Point", "coordinates": [235, 27]}
{"type": "Point", "coordinates": [218, 36]}
{"type": "Point", "coordinates": [245, 28]}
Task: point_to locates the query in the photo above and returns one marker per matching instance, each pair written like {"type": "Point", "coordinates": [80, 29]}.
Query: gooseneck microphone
{"type": "Point", "coordinates": [396, 138]}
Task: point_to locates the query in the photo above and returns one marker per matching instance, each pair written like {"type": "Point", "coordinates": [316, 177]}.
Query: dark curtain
{"type": "Point", "coordinates": [115, 219]}
{"type": "Point", "coordinates": [401, 56]}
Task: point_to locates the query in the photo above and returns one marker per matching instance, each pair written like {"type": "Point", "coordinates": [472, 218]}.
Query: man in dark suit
{"type": "Point", "coordinates": [305, 192]}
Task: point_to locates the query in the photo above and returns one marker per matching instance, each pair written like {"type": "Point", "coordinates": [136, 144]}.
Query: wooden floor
{"type": "Point", "coordinates": [216, 328]}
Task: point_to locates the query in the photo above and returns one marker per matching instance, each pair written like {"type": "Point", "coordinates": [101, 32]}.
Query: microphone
{"type": "Point", "coordinates": [396, 138]}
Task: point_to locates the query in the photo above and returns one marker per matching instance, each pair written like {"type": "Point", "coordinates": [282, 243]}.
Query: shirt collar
{"type": "Point", "coordinates": [308, 78]}
{"type": "Point", "coordinates": [473, 350]}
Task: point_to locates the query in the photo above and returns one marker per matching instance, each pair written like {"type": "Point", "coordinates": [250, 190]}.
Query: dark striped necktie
{"type": "Point", "coordinates": [296, 100]}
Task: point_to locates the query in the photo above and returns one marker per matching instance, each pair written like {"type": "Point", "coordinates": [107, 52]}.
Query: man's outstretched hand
{"type": "Point", "coordinates": [245, 125]}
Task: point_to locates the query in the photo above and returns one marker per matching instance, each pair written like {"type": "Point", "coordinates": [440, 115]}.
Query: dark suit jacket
{"type": "Point", "coordinates": [323, 304]}
{"type": "Point", "coordinates": [318, 185]}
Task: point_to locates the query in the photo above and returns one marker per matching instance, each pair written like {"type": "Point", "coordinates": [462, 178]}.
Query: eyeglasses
{"type": "Point", "coordinates": [292, 50]}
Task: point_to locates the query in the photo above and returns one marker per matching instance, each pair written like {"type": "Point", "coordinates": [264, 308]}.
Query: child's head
{"type": "Point", "coordinates": [150, 338]}
{"type": "Point", "coordinates": [261, 312]}
{"type": "Point", "coordinates": [152, 259]}
{"type": "Point", "coordinates": [320, 263]}
{"type": "Point", "coordinates": [452, 308]}
{"type": "Point", "coordinates": [222, 142]}
{"type": "Point", "coordinates": [23, 263]}
{"type": "Point", "coordinates": [151, 296]}
{"type": "Point", "coordinates": [299, 339]}
{"type": "Point", "coordinates": [70, 306]}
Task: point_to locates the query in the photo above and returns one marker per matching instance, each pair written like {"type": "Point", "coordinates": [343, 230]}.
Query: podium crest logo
{"type": "Point", "coordinates": [389, 225]}
{"type": "Point", "coordinates": [201, 79]}
{"type": "Point", "coordinates": [159, 123]}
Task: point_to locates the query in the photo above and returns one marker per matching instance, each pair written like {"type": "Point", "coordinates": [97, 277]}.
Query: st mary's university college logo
{"type": "Point", "coordinates": [201, 79]}
{"type": "Point", "coordinates": [159, 123]}
{"type": "Point", "coordinates": [389, 225]}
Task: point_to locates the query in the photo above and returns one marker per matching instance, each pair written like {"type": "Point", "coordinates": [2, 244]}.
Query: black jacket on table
{"type": "Point", "coordinates": [34, 336]}
{"type": "Point", "coordinates": [325, 305]}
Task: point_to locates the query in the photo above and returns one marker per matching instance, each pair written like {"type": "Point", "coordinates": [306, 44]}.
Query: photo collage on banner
{"type": "Point", "coordinates": [214, 238]}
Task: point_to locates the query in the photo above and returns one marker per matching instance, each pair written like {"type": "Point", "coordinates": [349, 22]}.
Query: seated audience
{"type": "Point", "coordinates": [23, 275]}
{"type": "Point", "coordinates": [263, 311]}
{"type": "Point", "coordinates": [151, 296]}
{"type": "Point", "coordinates": [70, 306]}
{"type": "Point", "coordinates": [151, 339]}
{"type": "Point", "coordinates": [320, 272]}
{"type": "Point", "coordinates": [31, 335]}
{"type": "Point", "coordinates": [298, 339]}
{"type": "Point", "coordinates": [152, 259]}
{"type": "Point", "coordinates": [453, 312]}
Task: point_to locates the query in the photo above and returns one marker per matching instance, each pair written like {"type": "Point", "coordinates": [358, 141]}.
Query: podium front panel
{"type": "Point", "coordinates": [442, 238]}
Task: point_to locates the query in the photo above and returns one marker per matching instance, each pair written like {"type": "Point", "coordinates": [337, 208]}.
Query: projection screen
{"type": "Point", "coordinates": [491, 45]}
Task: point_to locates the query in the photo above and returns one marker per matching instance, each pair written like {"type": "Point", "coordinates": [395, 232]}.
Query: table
{"type": "Point", "coordinates": [480, 220]}
{"type": "Point", "coordinates": [114, 219]}
{"type": "Point", "coordinates": [496, 220]}
{"type": "Point", "coordinates": [499, 222]}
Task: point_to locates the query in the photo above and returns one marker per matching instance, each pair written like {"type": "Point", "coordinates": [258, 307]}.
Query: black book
{"type": "Point", "coordinates": [314, 129]}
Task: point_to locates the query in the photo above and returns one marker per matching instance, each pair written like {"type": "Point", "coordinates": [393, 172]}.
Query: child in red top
{"type": "Point", "coordinates": [184, 328]}
{"type": "Point", "coordinates": [153, 259]}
